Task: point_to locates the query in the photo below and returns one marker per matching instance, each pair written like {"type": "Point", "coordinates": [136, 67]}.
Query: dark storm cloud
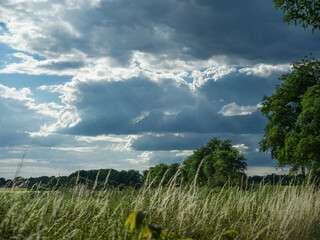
{"type": "Point", "coordinates": [140, 105]}
{"type": "Point", "coordinates": [130, 106]}
{"type": "Point", "coordinates": [240, 88]}
{"type": "Point", "coordinates": [255, 158]}
{"type": "Point", "coordinates": [250, 30]}
{"type": "Point", "coordinates": [149, 142]}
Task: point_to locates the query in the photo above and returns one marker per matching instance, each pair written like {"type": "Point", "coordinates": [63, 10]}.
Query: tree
{"type": "Point", "coordinates": [133, 178]}
{"type": "Point", "coordinates": [2, 182]}
{"type": "Point", "coordinates": [292, 134]}
{"type": "Point", "coordinates": [162, 173]}
{"type": "Point", "coordinates": [305, 12]}
{"type": "Point", "coordinates": [219, 161]}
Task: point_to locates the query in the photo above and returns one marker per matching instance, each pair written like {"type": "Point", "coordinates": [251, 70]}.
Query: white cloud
{"type": "Point", "coordinates": [144, 157]}
{"type": "Point", "coordinates": [171, 113]}
{"type": "Point", "coordinates": [13, 93]}
{"type": "Point", "coordinates": [163, 63]}
{"type": "Point", "coordinates": [234, 109]}
{"type": "Point", "coordinates": [18, 160]}
{"type": "Point", "coordinates": [23, 95]}
{"type": "Point", "coordinates": [76, 149]}
{"type": "Point", "coordinates": [33, 171]}
{"type": "Point", "coordinates": [65, 115]}
{"type": "Point", "coordinates": [67, 64]}
{"type": "Point", "coordinates": [103, 138]}
{"type": "Point", "coordinates": [241, 147]}
{"type": "Point", "coordinates": [212, 73]}
{"type": "Point", "coordinates": [183, 153]}
{"type": "Point", "coordinates": [60, 31]}
{"type": "Point", "coordinates": [143, 115]}
{"type": "Point", "coordinates": [262, 171]}
{"type": "Point", "coordinates": [265, 70]}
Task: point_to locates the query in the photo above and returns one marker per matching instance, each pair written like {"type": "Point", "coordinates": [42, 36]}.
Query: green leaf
{"type": "Point", "coordinates": [135, 220]}
{"type": "Point", "coordinates": [230, 234]}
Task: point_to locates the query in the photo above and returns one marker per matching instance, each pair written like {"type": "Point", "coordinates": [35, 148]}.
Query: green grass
{"type": "Point", "coordinates": [13, 189]}
{"type": "Point", "coordinates": [265, 212]}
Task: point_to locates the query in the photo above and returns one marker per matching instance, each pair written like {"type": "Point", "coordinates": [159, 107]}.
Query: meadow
{"type": "Point", "coordinates": [243, 212]}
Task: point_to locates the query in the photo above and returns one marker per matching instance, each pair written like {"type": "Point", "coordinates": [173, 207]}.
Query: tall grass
{"type": "Point", "coordinates": [263, 212]}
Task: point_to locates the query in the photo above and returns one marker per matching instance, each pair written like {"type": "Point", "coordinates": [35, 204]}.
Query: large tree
{"type": "Point", "coordinates": [215, 163]}
{"type": "Point", "coordinates": [292, 134]}
{"type": "Point", "coordinates": [305, 12]}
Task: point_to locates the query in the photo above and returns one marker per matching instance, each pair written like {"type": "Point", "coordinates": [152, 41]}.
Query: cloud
{"type": "Point", "coordinates": [150, 103]}
{"type": "Point", "coordinates": [28, 64]}
{"type": "Point", "coordinates": [172, 30]}
{"type": "Point", "coordinates": [184, 153]}
{"type": "Point", "coordinates": [265, 70]}
{"type": "Point", "coordinates": [263, 171]}
{"type": "Point", "coordinates": [23, 96]}
{"type": "Point", "coordinates": [241, 147]}
{"type": "Point", "coordinates": [75, 149]}
{"type": "Point", "coordinates": [12, 93]}
{"type": "Point", "coordinates": [23, 117]}
{"type": "Point", "coordinates": [153, 142]}
{"type": "Point", "coordinates": [144, 157]}
{"type": "Point", "coordinates": [239, 87]}
{"type": "Point", "coordinates": [212, 73]}
{"type": "Point", "coordinates": [90, 139]}
{"type": "Point", "coordinates": [136, 104]}
{"type": "Point", "coordinates": [33, 171]}
{"type": "Point", "coordinates": [17, 160]}
{"type": "Point", "coordinates": [234, 109]}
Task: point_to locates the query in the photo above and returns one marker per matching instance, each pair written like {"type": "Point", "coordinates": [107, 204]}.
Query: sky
{"type": "Point", "coordinates": [128, 84]}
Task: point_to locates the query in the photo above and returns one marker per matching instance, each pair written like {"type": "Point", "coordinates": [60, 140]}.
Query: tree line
{"type": "Point", "coordinates": [213, 164]}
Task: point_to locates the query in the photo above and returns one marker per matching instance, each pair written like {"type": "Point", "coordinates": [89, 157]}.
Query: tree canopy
{"type": "Point", "coordinates": [162, 173]}
{"type": "Point", "coordinates": [292, 134]}
{"type": "Point", "coordinates": [305, 12]}
{"type": "Point", "coordinates": [219, 161]}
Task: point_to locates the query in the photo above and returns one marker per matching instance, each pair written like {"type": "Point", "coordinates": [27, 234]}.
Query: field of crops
{"type": "Point", "coordinates": [263, 212]}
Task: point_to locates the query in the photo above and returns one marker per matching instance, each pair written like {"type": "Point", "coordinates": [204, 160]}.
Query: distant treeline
{"type": "Point", "coordinates": [110, 178]}
{"type": "Point", "coordinates": [213, 165]}
{"type": "Point", "coordinates": [102, 178]}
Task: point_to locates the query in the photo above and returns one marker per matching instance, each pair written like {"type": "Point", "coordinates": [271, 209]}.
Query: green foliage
{"type": "Point", "coordinates": [134, 221]}
{"type": "Point", "coordinates": [305, 12]}
{"type": "Point", "coordinates": [214, 164]}
{"type": "Point", "coordinates": [292, 134]}
{"type": "Point", "coordinates": [114, 178]}
{"type": "Point", "coordinates": [98, 179]}
{"type": "Point", "coordinates": [2, 182]}
{"type": "Point", "coordinates": [152, 231]}
{"type": "Point", "coordinates": [149, 231]}
{"type": "Point", "coordinates": [162, 173]}
{"type": "Point", "coordinates": [230, 234]}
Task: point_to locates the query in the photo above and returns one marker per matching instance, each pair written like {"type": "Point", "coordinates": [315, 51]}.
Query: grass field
{"type": "Point", "coordinates": [265, 212]}
{"type": "Point", "coordinates": [12, 189]}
